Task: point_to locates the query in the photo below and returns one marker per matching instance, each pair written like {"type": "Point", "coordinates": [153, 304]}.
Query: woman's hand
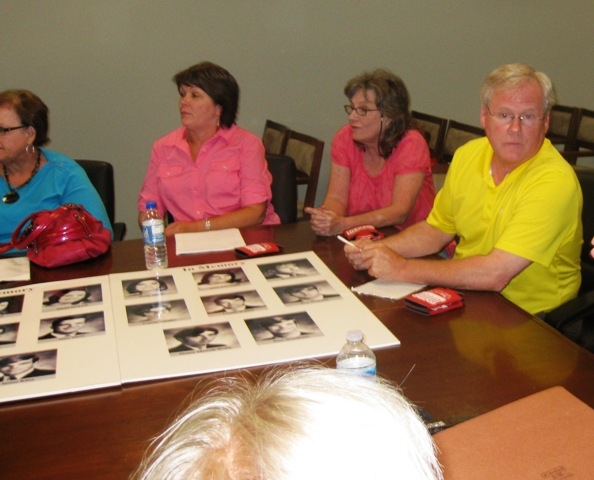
{"type": "Point", "coordinates": [180, 227]}
{"type": "Point", "coordinates": [324, 222]}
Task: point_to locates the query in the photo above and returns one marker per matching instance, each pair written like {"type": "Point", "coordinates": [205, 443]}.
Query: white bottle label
{"type": "Point", "coordinates": [153, 232]}
{"type": "Point", "coordinates": [358, 365]}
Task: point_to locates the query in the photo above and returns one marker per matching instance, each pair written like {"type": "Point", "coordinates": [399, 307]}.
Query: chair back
{"type": "Point", "coordinates": [275, 137]}
{"type": "Point", "coordinates": [575, 318]}
{"type": "Point", "coordinates": [307, 153]}
{"type": "Point", "coordinates": [100, 174]}
{"type": "Point", "coordinates": [583, 145]}
{"type": "Point", "coordinates": [457, 134]}
{"type": "Point", "coordinates": [284, 186]}
{"type": "Point", "coordinates": [586, 178]}
{"type": "Point", "coordinates": [433, 129]}
{"type": "Point", "coordinates": [563, 124]}
{"type": "Point", "coordinates": [585, 130]}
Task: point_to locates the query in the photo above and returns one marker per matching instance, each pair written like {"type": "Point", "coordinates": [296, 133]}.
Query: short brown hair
{"type": "Point", "coordinates": [31, 110]}
{"type": "Point", "coordinates": [219, 85]}
{"type": "Point", "coordinates": [392, 100]}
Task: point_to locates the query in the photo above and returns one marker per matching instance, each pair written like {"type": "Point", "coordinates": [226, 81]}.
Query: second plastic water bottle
{"type": "Point", "coordinates": [153, 231]}
{"type": "Point", "coordinates": [355, 356]}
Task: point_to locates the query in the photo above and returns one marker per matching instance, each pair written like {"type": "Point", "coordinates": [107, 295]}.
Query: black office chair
{"type": "Point", "coordinates": [101, 176]}
{"type": "Point", "coordinates": [575, 319]}
{"type": "Point", "coordinates": [284, 186]}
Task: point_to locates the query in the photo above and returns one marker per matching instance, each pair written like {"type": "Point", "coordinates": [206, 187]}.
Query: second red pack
{"type": "Point", "coordinates": [434, 301]}
{"type": "Point", "coordinates": [258, 249]}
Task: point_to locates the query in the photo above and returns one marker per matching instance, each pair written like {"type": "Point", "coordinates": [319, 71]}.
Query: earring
{"type": "Point", "coordinates": [32, 148]}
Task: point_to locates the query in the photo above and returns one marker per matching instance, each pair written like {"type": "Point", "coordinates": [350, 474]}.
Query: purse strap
{"type": "Point", "coordinates": [37, 228]}
{"type": "Point", "coordinates": [5, 247]}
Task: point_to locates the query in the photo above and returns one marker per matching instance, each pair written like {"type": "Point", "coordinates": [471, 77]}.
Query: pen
{"type": "Point", "coordinates": [344, 240]}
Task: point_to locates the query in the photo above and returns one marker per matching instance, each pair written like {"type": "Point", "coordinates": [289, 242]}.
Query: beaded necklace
{"type": "Point", "coordinates": [13, 195]}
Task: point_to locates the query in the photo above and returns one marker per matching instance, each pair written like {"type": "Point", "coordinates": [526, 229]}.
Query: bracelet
{"type": "Point", "coordinates": [207, 224]}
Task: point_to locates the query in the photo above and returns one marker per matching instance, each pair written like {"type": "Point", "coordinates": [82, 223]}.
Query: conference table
{"type": "Point", "coordinates": [453, 366]}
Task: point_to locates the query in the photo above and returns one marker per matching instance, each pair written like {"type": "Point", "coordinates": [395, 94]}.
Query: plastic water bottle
{"type": "Point", "coordinates": [356, 357]}
{"type": "Point", "coordinates": [153, 231]}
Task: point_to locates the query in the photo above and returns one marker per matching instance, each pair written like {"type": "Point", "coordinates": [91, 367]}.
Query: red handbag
{"type": "Point", "coordinates": [66, 235]}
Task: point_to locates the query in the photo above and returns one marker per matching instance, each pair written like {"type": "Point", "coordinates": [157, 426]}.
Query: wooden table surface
{"type": "Point", "coordinates": [454, 366]}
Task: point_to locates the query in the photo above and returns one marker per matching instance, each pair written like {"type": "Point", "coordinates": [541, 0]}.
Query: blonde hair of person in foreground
{"type": "Point", "coordinates": [305, 423]}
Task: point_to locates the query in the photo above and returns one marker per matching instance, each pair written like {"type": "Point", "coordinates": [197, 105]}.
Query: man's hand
{"type": "Point", "coordinates": [374, 256]}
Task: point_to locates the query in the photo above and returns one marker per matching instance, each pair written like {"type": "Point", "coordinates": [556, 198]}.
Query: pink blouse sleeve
{"type": "Point", "coordinates": [255, 177]}
{"type": "Point", "coordinates": [150, 188]}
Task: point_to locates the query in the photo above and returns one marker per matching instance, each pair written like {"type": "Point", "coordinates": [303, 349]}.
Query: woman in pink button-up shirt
{"type": "Point", "coordinates": [209, 174]}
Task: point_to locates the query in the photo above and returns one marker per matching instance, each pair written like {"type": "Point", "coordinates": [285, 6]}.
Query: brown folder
{"type": "Point", "coordinates": [545, 436]}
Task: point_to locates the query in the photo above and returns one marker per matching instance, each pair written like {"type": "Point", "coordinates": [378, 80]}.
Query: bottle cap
{"type": "Point", "coordinates": [151, 204]}
{"type": "Point", "coordinates": [354, 335]}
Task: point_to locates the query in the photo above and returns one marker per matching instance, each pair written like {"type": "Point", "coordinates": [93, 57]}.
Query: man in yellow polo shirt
{"type": "Point", "coordinates": [510, 199]}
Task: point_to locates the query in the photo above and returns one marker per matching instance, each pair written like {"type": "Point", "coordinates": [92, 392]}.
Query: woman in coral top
{"type": "Point", "coordinates": [381, 172]}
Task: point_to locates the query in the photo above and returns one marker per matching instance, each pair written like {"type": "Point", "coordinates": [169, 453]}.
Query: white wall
{"type": "Point", "coordinates": [104, 67]}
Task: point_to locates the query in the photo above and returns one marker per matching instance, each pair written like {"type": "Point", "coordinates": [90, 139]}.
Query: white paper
{"type": "Point", "coordinates": [85, 361]}
{"type": "Point", "coordinates": [148, 350]}
{"type": "Point", "coordinates": [385, 289]}
{"type": "Point", "coordinates": [134, 321]}
{"type": "Point", "coordinates": [218, 240]}
{"type": "Point", "coordinates": [14, 269]}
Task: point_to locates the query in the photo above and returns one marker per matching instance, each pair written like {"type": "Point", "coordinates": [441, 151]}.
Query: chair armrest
{"type": "Point", "coordinates": [119, 231]}
{"type": "Point", "coordinates": [570, 311]}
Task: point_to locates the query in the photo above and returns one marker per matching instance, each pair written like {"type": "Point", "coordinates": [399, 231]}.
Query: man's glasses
{"type": "Point", "coordinates": [361, 111]}
{"type": "Point", "coordinates": [527, 119]}
{"type": "Point", "coordinates": [4, 131]}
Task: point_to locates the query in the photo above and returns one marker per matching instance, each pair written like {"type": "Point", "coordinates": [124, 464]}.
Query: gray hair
{"type": "Point", "coordinates": [294, 424]}
{"type": "Point", "coordinates": [513, 74]}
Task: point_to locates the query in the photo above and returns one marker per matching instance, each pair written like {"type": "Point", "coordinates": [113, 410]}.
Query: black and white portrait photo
{"type": "Point", "coordinates": [220, 278]}
{"type": "Point", "coordinates": [149, 287]}
{"type": "Point", "coordinates": [8, 334]}
{"type": "Point", "coordinates": [30, 366]}
{"type": "Point", "coordinates": [288, 326]}
{"type": "Point", "coordinates": [72, 297]}
{"type": "Point", "coordinates": [11, 305]}
{"type": "Point", "coordinates": [72, 326]}
{"type": "Point", "coordinates": [235, 302]}
{"type": "Point", "coordinates": [288, 269]}
{"type": "Point", "coordinates": [158, 311]}
{"type": "Point", "coordinates": [200, 338]}
{"type": "Point", "coordinates": [307, 293]}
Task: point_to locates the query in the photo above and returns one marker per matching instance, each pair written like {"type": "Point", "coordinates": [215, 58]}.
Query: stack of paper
{"type": "Point", "coordinates": [228, 239]}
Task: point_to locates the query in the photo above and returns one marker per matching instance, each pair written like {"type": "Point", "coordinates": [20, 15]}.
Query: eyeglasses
{"type": "Point", "coordinates": [361, 111]}
{"type": "Point", "coordinates": [4, 131]}
{"type": "Point", "coordinates": [527, 119]}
